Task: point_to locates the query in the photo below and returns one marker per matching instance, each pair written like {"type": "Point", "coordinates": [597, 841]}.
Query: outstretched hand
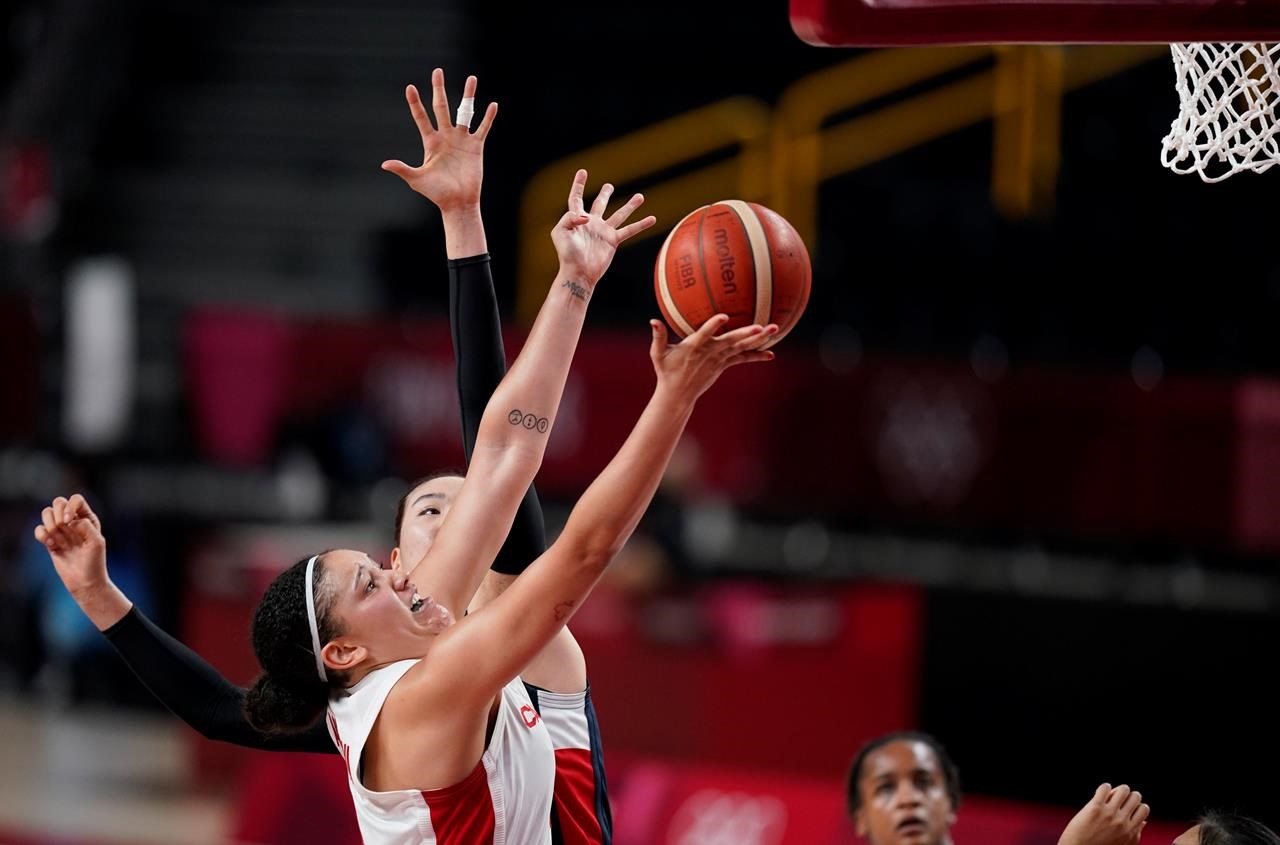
{"type": "Point", "coordinates": [1114, 816]}
{"type": "Point", "coordinates": [691, 366]}
{"type": "Point", "coordinates": [452, 166]}
{"type": "Point", "coordinates": [70, 530]}
{"type": "Point", "coordinates": [586, 241]}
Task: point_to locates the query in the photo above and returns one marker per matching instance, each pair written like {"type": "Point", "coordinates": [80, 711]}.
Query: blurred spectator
{"type": "Point", "coordinates": [903, 787]}
{"type": "Point", "coordinates": [64, 51]}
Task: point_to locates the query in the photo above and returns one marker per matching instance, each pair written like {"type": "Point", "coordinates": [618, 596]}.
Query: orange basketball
{"type": "Point", "coordinates": [737, 258]}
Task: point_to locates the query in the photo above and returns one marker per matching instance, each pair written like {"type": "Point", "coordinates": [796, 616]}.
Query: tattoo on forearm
{"type": "Point", "coordinates": [563, 610]}
{"type": "Point", "coordinates": [577, 290]}
{"type": "Point", "coordinates": [530, 421]}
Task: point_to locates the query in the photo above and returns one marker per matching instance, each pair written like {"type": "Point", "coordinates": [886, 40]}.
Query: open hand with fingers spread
{"type": "Point", "coordinates": [691, 366]}
{"type": "Point", "coordinates": [1114, 816]}
{"type": "Point", "coordinates": [452, 166]}
{"type": "Point", "coordinates": [586, 241]}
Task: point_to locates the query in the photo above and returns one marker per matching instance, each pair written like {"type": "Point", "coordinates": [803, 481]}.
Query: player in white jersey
{"type": "Point", "coordinates": [434, 722]}
{"type": "Point", "coordinates": [505, 798]}
{"type": "Point", "coordinates": [555, 680]}
{"type": "Point", "coordinates": [434, 729]}
{"type": "Point", "coordinates": [436, 712]}
{"type": "Point", "coordinates": [441, 725]}
{"type": "Point", "coordinates": [212, 705]}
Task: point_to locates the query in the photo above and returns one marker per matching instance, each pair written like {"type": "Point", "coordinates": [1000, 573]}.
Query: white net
{"type": "Point", "coordinates": [1227, 122]}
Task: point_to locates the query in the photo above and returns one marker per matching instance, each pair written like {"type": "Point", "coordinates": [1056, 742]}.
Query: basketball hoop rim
{"type": "Point", "coordinates": [900, 23]}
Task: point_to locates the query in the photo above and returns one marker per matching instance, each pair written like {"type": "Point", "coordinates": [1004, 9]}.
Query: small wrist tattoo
{"type": "Point", "coordinates": [563, 610]}
{"type": "Point", "coordinates": [532, 422]}
{"type": "Point", "coordinates": [577, 290]}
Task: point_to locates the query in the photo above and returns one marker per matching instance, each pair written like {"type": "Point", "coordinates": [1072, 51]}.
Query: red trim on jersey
{"type": "Point", "coordinates": [462, 814]}
{"type": "Point", "coordinates": [574, 798]}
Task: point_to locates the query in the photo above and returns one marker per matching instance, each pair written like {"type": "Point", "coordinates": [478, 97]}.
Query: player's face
{"type": "Point", "coordinates": [380, 611]}
{"type": "Point", "coordinates": [904, 797]}
{"type": "Point", "coordinates": [425, 508]}
{"type": "Point", "coordinates": [1191, 837]}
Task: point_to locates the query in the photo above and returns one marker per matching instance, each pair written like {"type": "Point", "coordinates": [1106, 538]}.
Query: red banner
{"type": "Point", "coordinates": [738, 675]}
{"type": "Point", "coordinates": [1089, 454]}
{"type": "Point", "coordinates": [288, 800]}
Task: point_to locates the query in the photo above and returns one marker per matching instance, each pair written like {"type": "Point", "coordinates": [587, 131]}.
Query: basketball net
{"type": "Point", "coordinates": [1227, 122]}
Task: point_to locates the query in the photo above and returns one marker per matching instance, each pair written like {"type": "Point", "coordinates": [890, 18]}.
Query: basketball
{"type": "Point", "coordinates": [737, 258]}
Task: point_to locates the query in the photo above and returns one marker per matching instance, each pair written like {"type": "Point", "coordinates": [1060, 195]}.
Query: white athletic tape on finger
{"type": "Point", "coordinates": [466, 110]}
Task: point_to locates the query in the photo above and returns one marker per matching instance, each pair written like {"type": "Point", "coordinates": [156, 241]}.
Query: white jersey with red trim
{"type": "Point", "coordinates": [506, 800]}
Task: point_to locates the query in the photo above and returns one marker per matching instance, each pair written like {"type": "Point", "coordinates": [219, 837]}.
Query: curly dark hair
{"type": "Point", "coordinates": [950, 774]}
{"type": "Point", "coordinates": [289, 696]}
{"type": "Point", "coordinates": [1229, 829]}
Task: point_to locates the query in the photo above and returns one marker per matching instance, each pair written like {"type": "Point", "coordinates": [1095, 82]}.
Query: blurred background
{"type": "Point", "coordinates": [1013, 479]}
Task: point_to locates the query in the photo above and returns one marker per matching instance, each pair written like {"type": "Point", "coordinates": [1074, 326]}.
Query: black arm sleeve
{"type": "Point", "coordinates": [195, 692]}
{"type": "Point", "coordinates": [481, 361]}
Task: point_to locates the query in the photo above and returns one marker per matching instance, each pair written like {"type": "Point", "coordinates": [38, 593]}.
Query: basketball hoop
{"type": "Point", "coordinates": [1228, 80]}
{"type": "Point", "coordinates": [1227, 122]}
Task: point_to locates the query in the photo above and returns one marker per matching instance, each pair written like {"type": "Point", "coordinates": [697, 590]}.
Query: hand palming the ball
{"type": "Point", "coordinates": [691, 366]}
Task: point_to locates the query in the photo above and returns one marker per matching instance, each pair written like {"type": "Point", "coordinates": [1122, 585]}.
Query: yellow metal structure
{"type": "Point", "coordinates": [780, 157]}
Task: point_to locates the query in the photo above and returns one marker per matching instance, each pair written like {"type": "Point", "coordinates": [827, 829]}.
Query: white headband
{"type": "Point", "coordinates": [311, 620]}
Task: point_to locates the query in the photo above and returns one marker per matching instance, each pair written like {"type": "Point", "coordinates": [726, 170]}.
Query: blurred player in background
{"type": "Point", "coordinates": [904, 788]}
{"type": "Point", "coordinates": [1228, 829]}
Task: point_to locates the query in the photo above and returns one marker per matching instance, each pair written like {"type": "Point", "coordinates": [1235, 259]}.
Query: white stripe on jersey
{"type": "Point", "coordinates": [565, 718]}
